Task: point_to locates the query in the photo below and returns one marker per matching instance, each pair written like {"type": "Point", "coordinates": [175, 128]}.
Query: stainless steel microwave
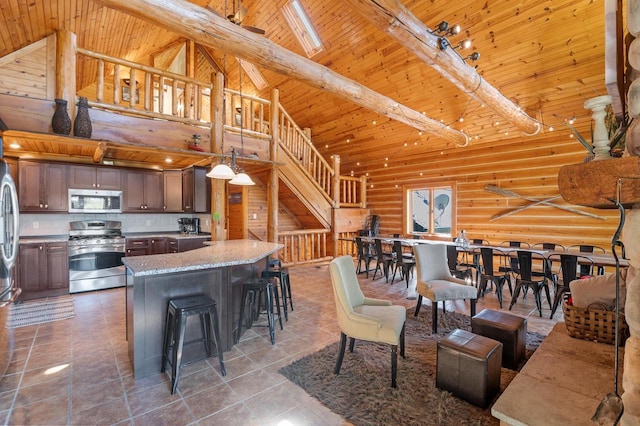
{"type": "Point", "coordinates": [94, 201]}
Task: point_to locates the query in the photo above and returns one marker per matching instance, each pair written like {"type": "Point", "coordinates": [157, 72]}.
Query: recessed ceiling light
{"type": "Point", "coordinates": [15, 145]}
{"type": "Point", "coordinates": [168, 160]}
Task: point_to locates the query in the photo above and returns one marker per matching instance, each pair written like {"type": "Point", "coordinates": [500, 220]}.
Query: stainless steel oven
{"type": "Point", "coordinates": [96, 249]}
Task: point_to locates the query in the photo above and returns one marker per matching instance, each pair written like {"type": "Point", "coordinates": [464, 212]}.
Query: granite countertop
{"type": "Point", "coordinates": [176, 235]}
{"type": "Point", "coordinates": [44, 239]}
{"type": "Point", "coordinates": [216, 254]}
{"type": "Point", "coordinates": [65, 237]}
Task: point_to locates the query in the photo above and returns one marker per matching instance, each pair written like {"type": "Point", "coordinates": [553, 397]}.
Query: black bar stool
{"type": "Point", "coordinates": [178, 311]}
{"type": "Point", "coordinates": [253, 291]}
{"type": "Point", "coordinates": [275, 270]}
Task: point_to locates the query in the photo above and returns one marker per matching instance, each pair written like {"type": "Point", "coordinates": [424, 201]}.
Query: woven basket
{"type": "Point", "coordinates": [594, 323]}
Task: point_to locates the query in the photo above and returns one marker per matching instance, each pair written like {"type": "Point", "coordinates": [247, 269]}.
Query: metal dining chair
{"type": "Point", "coordinates": [404, 263]}
{"type": "Point", "coordinates": [511, 263]}
{"type": "Point", "coordinates": [546, 268]}
{"type": "Point", "coordinates": [364, 256]}
{"type": "Point", "coordinates": [488, 275]}
{"type": "Point", "coordinates": [456, 268]}
{"type": "Point", "coordinates": [570, 264]}
{"type": "Point", "coordinates": [524, 279]}
{"type": "Point", "coordinates": [474, 260]}
{"type": "Point", "coordinates": [384, 260]}
{"type": "Point", "coordinates": [587, 249]}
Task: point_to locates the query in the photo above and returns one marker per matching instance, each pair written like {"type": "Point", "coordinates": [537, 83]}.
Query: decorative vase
{"type": "Point", "coordinates": [600, 135]}
{"type": "Point", "coordinates": [61, 122]}
{"type": "Point", "coordinates": [82, 125]}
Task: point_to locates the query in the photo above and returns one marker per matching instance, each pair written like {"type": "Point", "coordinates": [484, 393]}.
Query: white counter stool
{"type": "Point", "coordinates": [178, 311]}
{"type": "Point", "coordinates": [253, 291]}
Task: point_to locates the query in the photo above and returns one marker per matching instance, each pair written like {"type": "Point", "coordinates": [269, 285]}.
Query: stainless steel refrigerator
{"type": "Point", "coordinates": [9, 234]}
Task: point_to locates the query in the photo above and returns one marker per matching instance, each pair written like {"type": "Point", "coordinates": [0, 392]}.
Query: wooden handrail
{"type": "Point", "coordinates": [304, 246]}
{"type": "Point", "coordinates": [293, 138]}
{"type": "Point", "coordinates": [148, 98]}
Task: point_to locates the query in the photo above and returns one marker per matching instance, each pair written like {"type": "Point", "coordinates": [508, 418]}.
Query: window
{"type": "Point", "coordinates": [302, 28]}
{"type": "Point", "coordinates": [429, 210]}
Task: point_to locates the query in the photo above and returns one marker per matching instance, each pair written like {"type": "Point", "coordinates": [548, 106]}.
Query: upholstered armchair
{"type": "Point", "coordinates": [364, 318]}
{"type": "Point", "coordinates": [436, 283]}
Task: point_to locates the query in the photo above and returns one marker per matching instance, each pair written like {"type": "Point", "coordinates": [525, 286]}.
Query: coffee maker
{"type": "Point", "coordinates": [189, 225]}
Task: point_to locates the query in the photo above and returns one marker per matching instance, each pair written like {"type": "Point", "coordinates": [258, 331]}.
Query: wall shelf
{"type": "Point", "coordinates": [593, 184]}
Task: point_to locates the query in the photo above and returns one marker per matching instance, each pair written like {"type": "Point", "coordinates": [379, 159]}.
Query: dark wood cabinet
{"type": "Point", "coordinates": [162, 245]}
{"type": "Point", "coordinates": [143, 191]}
{"type": "Point", "coordinates": [186, 244]}
{"type": "Point", "coordinates": [43, 267]}
{"type": "Point", "coordinates": [158, 245]}
{"type": "Point", "coordinates": [173, 190]}
{"type": "Point", "coordinates": [43, 187]}
{"type": "Point", "coordinates": [196, 190]}
{"type": "Point", "coordinates": [137, 246]}
{"type": "Point", "coordinates": [93, 177]}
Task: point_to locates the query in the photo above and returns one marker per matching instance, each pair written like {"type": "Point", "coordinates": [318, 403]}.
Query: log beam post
{"type": "Point", "coordinates": [218, 186]}
{"type": "Point", "coordinates": [272, 186]}
{"type": "Point", "coordinates": [335, 185]}
{"type": "Point", "coordinates": [66, 69]}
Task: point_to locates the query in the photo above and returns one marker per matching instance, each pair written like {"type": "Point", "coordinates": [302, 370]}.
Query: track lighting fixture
{"type": "Point", "coordinates": [473, 57]}
{"type": "Point", "coordinates": [443, 29]}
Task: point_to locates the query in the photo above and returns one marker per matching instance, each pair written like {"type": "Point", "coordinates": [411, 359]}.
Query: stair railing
{"type": "Point", "coordinates": [299, 145]}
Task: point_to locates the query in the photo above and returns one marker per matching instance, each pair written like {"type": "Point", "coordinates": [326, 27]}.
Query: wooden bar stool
{"type": "Point", "coordinates": [178, 311]}
{"type": "Point", "coordinates": [253, 292]}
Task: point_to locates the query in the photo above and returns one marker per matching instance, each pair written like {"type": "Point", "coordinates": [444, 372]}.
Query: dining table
{"type": "Point", "coordinates": [604, 260]}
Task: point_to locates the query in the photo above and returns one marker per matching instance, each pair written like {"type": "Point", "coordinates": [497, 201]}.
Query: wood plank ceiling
{"type": "Point", "coordinates": [545, 56]}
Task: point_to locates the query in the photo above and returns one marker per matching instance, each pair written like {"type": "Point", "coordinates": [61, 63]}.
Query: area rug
{"type": "Point", "coordinates": [362, 394]}
{"type": "Point", "coordinates": [40, 311]}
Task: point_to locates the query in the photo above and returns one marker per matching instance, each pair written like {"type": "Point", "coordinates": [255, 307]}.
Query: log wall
{"type": "Point", "coordinates": [529, 167]}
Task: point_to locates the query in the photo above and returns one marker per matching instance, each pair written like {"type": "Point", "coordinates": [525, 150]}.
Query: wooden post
{"type": "Point", "coordinates": [190, 95]}
{"type": "Point", "coordinates": [335, 185]}
{"type": "Point", "coordinates": [218, 186]}
{"type": "Point", "coordinates": [272, 186]}
{"type": "Point", "coordinates": [66, 69]}
{"type": "Point", "coordinates": [363, 192]}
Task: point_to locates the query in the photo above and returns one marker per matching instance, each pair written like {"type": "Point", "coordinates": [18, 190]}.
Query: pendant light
{"type": "Point", "coordinates": [222, 170]}
{"type": "Point", "coordinates": [241, 178]}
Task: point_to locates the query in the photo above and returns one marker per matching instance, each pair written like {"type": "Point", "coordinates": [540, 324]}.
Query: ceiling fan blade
{"type": "Point", "coordinates": [254, 29]}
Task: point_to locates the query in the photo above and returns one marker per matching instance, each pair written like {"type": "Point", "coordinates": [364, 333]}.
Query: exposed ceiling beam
{"type": "Point", "coordinates": [395, 19]}
{"type": "Point", "coordinates": [207, 28]}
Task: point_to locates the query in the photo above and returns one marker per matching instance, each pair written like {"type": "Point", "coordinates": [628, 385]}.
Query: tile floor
{"type": "Point", "coordinates": [77, 371]}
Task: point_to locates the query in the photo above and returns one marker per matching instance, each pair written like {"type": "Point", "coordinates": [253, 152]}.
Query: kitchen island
{"type": "Point", "coordinates": [217, 270]}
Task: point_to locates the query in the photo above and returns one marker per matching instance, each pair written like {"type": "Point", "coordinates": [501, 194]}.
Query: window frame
{"type": "Point", "coordinates": [407, 208]}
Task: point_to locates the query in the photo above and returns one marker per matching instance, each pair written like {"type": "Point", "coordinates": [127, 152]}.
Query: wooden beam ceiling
{"type": "Point", "coordinates": [394, 18]}
{"type": "Point", "coordinates": [209, 29]}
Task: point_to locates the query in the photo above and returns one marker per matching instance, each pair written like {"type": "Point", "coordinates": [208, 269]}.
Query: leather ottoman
{"type": "Point", "coordinates": [468, 366]}
{"type": "Point", "coordinates": [509, 329]}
